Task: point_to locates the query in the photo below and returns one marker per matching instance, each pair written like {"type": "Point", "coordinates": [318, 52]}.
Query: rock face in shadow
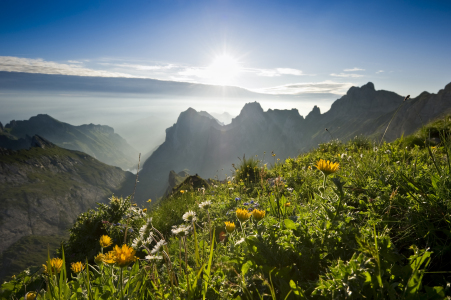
{"type": "Point", "coordinates": [99, 141]}
{"type": "Point", "coordinates": [199, 143]}
{"type": "Point", "coordinates": [43, 189]}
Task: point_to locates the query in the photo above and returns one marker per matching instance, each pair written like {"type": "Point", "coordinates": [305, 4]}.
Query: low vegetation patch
{"type": "Point", "coordinates": [352, 220]}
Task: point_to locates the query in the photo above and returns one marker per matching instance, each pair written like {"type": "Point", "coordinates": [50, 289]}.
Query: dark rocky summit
{"type": "Point", "coordinates": [199, 143]}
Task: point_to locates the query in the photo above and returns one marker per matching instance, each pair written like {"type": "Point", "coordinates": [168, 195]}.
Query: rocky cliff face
{"type": "Point", "coordinates": [98, 141]}
{"type": "Point", "coordinates": [43, 189]}
{"type": "Point", "coordinates": [201, 145]}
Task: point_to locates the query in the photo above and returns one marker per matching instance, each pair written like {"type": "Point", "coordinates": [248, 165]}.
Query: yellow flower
{"type": "Point", "coordinates": [134, 204]}
{"type": "Point", "coordinates": [230, 227]}
{"type": "Point", "coordinates": [288, 204]}
{"type": "Point", "coordinates": [258, 214]}
{"type": "Point", "coordinates": [242, 214]}
{"type": "Point", "coordinates": [99, 258]}
{"type": "Point", "coordinates": [77, 267]}
{"type": "Point", "coordinates": [105, 241]}
{"type": "Point", "coordinates": [30, 296]}
{"type": "Point", "coordinates": [145, 210]}
{"type": "Point", "coordinates": [55, 263]}
{"type": "Point", "coordinates": [182, 191]}
{"type": "Point", "coordinates": [109, 258]}
{"type": "Point", "coordinates": [309, 167]}
{"type": "Point", "coordinates": [124, 255]}
{"type": "Point", "coordinates": [327, 167]}
{"type": "Point", "coordinates": [150, 200]}
{"type": "Point", "coordinates": [273, 154]}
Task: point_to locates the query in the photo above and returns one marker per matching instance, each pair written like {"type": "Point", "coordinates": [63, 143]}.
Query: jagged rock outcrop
{"type": "Point", "coordinates": [200, 144]}
{"type": "Point", "coordinates": [99, 141]}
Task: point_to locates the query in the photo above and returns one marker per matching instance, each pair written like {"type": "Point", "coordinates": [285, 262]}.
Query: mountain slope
{"type": "Point", "coordinates": [98, 141]}
{"type": "Point", "coordinates": [45, 188]}
{"type": "Point", "coordinates": [201, 145]}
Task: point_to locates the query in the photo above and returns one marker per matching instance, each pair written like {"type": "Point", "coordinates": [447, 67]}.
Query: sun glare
{"type": "Point", "coordinates": [223, 69]}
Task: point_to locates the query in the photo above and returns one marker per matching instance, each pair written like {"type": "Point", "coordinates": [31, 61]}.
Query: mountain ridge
{"type": "Point", "coordinates": [99, 141]}
{"type": "Point", "coordinates": [205, 147]}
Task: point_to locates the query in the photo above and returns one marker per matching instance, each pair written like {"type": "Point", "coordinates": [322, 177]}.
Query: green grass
{"type": "Point", "coordinates": [378, 228]}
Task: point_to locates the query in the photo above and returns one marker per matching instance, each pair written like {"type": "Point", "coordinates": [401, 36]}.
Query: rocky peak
{"type": "Point", "coordinates": [1, 127]}
{"type": "Point", "coordinates": [11, 124]}
{"type": "Point", "coordinates": [251, 109]}
{"type": "Point", "coordinates": [38, 141]}
{"type": "Point", "coordinates": [313, 114]}
{"type": "Point", "coordinates": [361, 91]}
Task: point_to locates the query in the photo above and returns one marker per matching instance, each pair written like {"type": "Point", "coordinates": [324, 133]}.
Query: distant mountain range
{"type": "Point", "coordinates": [43, 190]}
{"type": "Point", "coordinates": [99, 141]}
{"type": "Point", "coordinates": [199, 143]}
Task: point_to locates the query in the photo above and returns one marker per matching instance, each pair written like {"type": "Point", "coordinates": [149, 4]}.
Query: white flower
{"type": "Point", "coordinates": [290, 189]}
{"type": "Point", "coordinates": [189, 216]}
{"type": "Point", "coordinates": [205, 204]}
{"type": "Point", "coordinates": [343, 155]}
{"type": "Point", "coordinates": [182, 230]}
{"type": "Point", "coordinates": [137, 243]}
{"type": "Point", "coordinates": [158, 247]}
{"type": "Point", "coordinates": [361, 155]}
{"type": "Point", "coordinates": [153, 257]}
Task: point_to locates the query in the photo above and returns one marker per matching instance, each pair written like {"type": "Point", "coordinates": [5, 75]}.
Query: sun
{"type": "Point", "coordinates": [223, 69]}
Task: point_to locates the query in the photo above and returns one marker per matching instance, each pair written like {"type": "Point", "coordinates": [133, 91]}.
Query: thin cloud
{"type": "Point", "coordinates": [141, 67]}
{"type": "Point", "coordinates": [308, 88]}
{"type": "Point", "coordinates": [380, 71]}
{"type": "Point", "coordinates": [353, 70]}
{"type": "Point", "coordinates": [276, 72]}
{"type": "Point", "coordinates": [346, 75]}
{"type": "Point", "coordinates": [30, 65]}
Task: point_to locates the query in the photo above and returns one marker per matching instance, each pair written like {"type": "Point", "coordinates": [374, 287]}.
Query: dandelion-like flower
{"type": "Point", "coordinates": [327, 167]}
{"type": "Point", "coordinates": [55, 263]}
{"type": "Point", "coordinates": [109, 258]}
{"type": "Point", "coordinates": [124, 255]}
{"type": "Point", "coordinates": [242, 214]}
{"type": "Point", "coordinates": [189, 216]}
{"type": "Point", "coordinates": [288, 204]}
{"type": "Point", "coordinates": [77, 267]}
{"type": "Point", "coordinates": [230, 226]}
{"type": "Point", "coordinates": [145, 210]}
{"type": "Point", "coordinates": [105, 241]}
{"type": "Point", "coordinates": [205, 204]}
{"type": "Point", "coordinates": [258, 214]}
{"type": "Point", "coordinates": [30, 296]}
{"type": "Point", "coordinates": [99, 258]}
{"type": "Point", "coordinates": [182, 191]}
{"type": "Point", "coordinates": [150, 200]}
{"type": "Point", "coordinates": [158, 247]}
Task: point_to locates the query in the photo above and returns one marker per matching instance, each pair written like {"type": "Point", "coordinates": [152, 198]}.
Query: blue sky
{"type": "Point", "coordinates": [287, 47]}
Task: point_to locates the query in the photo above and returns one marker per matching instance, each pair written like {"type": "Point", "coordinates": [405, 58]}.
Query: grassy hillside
{"type": "Point", "coordinates": [42, 191]}
{"type": "Point", "coordinates": [374, 223]}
